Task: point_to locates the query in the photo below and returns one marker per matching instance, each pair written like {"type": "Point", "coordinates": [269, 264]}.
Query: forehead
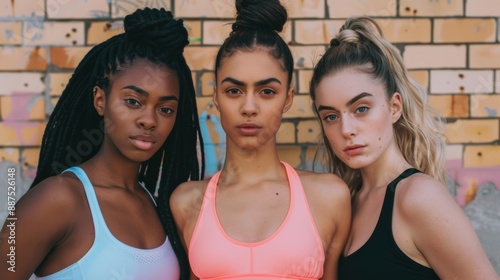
{"type": "Point", "coordinates": [257, 64]}
{"type": "Point", "coordinates": [147, 74]}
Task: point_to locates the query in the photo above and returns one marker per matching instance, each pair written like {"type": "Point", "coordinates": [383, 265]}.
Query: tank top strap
{"type": "Point", "coordinates": [95, 210]}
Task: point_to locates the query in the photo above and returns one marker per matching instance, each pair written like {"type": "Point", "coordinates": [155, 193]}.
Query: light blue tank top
{"type": "Point", "coordinates": [111, 259]}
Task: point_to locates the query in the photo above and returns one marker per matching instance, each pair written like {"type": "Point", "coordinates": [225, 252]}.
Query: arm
{"type": "Point", "coordinates": [442, 232]}
{"type": "Point", "coordinates": [41, 218]}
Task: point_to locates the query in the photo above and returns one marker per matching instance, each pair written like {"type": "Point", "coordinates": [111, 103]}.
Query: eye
{"type": "Point", "coordinates": [330, 118]}
{"type": "Point", "coordinates": [132, 102]}
{"type": "Point", "coordinates": [233, 91]}
{"type": "Point", "coordinates": [268, 91]}
{"type": "Point", "coordinates": [166, 110]}
{"type": "Point", "coordinates": [362, 109]}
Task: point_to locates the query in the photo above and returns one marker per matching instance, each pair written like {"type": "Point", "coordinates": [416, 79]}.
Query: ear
{"type": "Point", "coordinates": [289, 100]}
{"type": "Point", "coordinates": [396, 106]}
{"type": "Point", "coordinates": [214, 99]}
{"type": "Point", "coordinates": [99, 100]}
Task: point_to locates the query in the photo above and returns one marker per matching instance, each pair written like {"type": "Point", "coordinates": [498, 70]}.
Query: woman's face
{"type": "Point", "coordinates": [357, 116]}
{"type": "Point", "coordinates": [252, 93]}
{"type": "Point", "coordinates": [140, 109]}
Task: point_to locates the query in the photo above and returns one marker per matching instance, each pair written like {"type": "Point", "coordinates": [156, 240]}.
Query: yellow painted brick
{"type": "Point", "coordinates": [286, 133]}
{"type": "Point", "coordinates": [9, 154]}
{"type": "Point", "coordinates": [21, 83]}
{"type": "Point", "coordinates": [451, 106]}
{"type": "Point", "coordinates": [54, 33]}
{"type": "Point", "coordinates": [100, 31]}
{"type": "Point", "coordinates": [214, 32]}
{"type": "Point", "coordinates": [22, 107]}
{"type": "Point", "coordinates": [435, 56]}
{"type": "Point", "coordinates": [205, 9]}
{"type": "Point", "coordinates": [485, 105]}
{"type": "Point", "coordinates": [69, 9]}
{"type": "Point", "coordinates": [482, 8]}
{"type": "Point", "coordinates": [22, 133]}
{"type": "Point", "coordinates": [304, 80]}
{"type": "Point", "coordinates": [484, 56]}
{"type": "Point", "coordinates": [52, 104]}
{"type": "Point", "coordinates": [430, 8]}
{"type": "Point", "coordinates": [200, 58]}
{"type": "Point", "coordinates": [306, 56]}
{"type": "Point", "coordinates": [120, 9]}
{"type": "Point", "coordinates": [482, 156]}
{"type": "Point", "coordinates": [472, 131]}
{"type": "Point", "coordinates": [464, 30]}
{"type": "Point", "coordinates": [194, 31]}
{"type": "Point", "coordinates": [316, 159]}
{"type": "Point", "coordinates": [206, 103]}
{"type": "Point", "coordinates": [308, 131]}
{"type": "Point", "coordinates": [305, 9]}
{"type": "Point", "coordinates": [348, 8]}
{"type": "Point", "coordinates": [22, 8]}
{"type": "Point", "coordinates": [406, 30]}
{"type": "Point", "coordinates": [316, 31]}
{"type": "Point", "coordinates": [67, 58]}
{"type": "Point", "coordinates": [11, 33]}
{"type": "Point", "coordinates": [207, 81]}
{"type": "Point", "coordinates": [29, 157]}
{"type": "Point", "coordinates": [23, 58]}
{"type": "Point", "coordinates": [301, 108]}
{"type": "Point", "coordinates": [461, 81]}
{"type": "Point", "coordinates": [454, 152]}
{"type": "Point", "coordinates": [290, 155]}
{"type": "Point", "coordinates": [58, 82]}
{"type": "Point", "coordinates": [421, 77]}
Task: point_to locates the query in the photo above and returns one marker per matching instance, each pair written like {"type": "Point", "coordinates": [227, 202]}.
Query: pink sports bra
{"type": "Point", "coordinates": [293, 251]}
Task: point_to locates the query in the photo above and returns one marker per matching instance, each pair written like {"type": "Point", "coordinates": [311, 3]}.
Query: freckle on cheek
{"type": "Point", "coordinates": [379, 139]}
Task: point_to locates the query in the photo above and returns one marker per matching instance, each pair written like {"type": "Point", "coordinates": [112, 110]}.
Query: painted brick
{"type": "Point", "coordinates": [497, 81]}
{"type": "Point", "coordinates": [464, 30]}
{"type": "Point", "coordinates": [200, 58]}
{"type": "Point", "coordinates": [290, 155]}
{"type": "Point", "coordinates": [316, 31]}
{"type": "Point", "coordinates": [52, 104]}
{"type": "Point", "coordinates": [205, 103]}
{"type": "Point", "coordinates": [484, 56]}
{"type": "Point", "coordinates": [22, 8]}
{"type": "Point", "coordinates": [406, 30]}
{"type": "Point", "coordinates": [421, 77]}
{"type": "Point", "coordinates": [432, 56]}
{"type": "Point", "coordinates": [472, 131]}
{"type": "Point", "coordinates": [348, 8]}
{"type": "Point", "coordinates": [214, 32]}
{"type": "Point", "coordinates": [54, 33]}
{"type": "Point", "coordinates": [120, 9]}
{"type": "Point", "coordinates": [286, 133]}
{"type": "Point", "coordinates": [22, 107]}
{"type": "Point", "coordinates": [304, 80]}
{"type": "Point", "coordinates": [9, 154]}
{"type": "Point", "coordinates": [23, 58]}
{"type": "Point", "coordinates": [485, 105]}
{"type": "Point", "coordinates": [482, 8]}
{"type": "Point", "coordinates": [451, 106]}
{"type": "Point", "coordinates": [431, 8]}
{"type": "Point", "coordinates": [207, 81]}
{"type": "Point", "coordinates": [67, 58]}
{"type": "Point", "coordinates": [305, 9]}
{"type": "Point", "coordinates": [21, 83]}
{"type": "Point", "coordinates": [482, 156]}
{"type": "Point", "coordinates": [301, 107]}
{"type": "Point", "coordinates": [308, 131]}
{"type": "Point", "coordinates": [29, 157]}
{"type": "Point", "coordinates": [100, 31]}
{"type": "Point", "coordinates": [57, 82]}
{"type": "Point", "coordinates": [194, 31]}
{"type": "Point", "coordinates": [22, 133]}
{"type": "Point", "coordinates": [204, 9]}
{"type": "Point", "coordinates": [454, 152]}
{"type": "Point", "coordinates": [71, 9]}
{"type": "Point", "coordinates": [458, 81]}
{"type": "Point", "coordinates": [10, 33]}
{"type": "Point", "coordinates": [306, 56]}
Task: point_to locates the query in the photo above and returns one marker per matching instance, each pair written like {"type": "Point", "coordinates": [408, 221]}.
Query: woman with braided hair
{"type": "Point", "coordinates": [125, 127]}
{"type": "Point", "coordinates": [382, 137]}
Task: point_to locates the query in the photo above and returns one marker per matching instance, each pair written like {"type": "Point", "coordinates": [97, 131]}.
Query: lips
{"type": "Point", "coordinates": [353, 150]}
{"type": "Point", "coordinates": [143, 141]}
{"type": "Point", "coordinates": [248, 129]}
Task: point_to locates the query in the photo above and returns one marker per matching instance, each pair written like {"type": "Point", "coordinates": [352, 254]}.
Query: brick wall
{"type": "Point", "coordinates": [451, 47]}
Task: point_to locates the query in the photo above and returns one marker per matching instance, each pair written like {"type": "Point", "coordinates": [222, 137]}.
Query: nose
{"type": "Point", "coordinates": [249, 106]}
{"type": "Point", "coordinates": [147, 119]}
{"type": "Point", "coordinates": [348, 126]}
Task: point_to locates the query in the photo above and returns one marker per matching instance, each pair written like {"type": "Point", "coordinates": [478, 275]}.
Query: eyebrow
{"type": "Point", "coordinates": [258, 83]}
{"type": "Point", "coordinates": [146, 94]}
{"type": "Point", "coordinates": [349, 103]}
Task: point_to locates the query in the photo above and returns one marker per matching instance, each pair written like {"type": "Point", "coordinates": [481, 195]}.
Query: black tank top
{"type": "Point", "coordinates": [380, 257]}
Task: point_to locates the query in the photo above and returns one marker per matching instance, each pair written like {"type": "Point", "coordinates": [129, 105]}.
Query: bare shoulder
{"type": "Point", "coordinates": [188, 195]}
{"type": "Point", "coordinates": [325, 189]}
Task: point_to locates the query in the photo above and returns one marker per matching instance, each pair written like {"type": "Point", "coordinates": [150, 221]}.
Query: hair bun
{"type": "Point", "coordinates": [260, 14]}
{"type": "Point", "coordinates": [157, 27]}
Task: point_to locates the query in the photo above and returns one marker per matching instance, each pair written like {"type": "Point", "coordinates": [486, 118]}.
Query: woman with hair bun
{"type": "Point", "coordinates": [124, 128]}
{"type": "Point", "coordinates": [382, 137]}
{"type": "Point", "coordinates": [259, 218]}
